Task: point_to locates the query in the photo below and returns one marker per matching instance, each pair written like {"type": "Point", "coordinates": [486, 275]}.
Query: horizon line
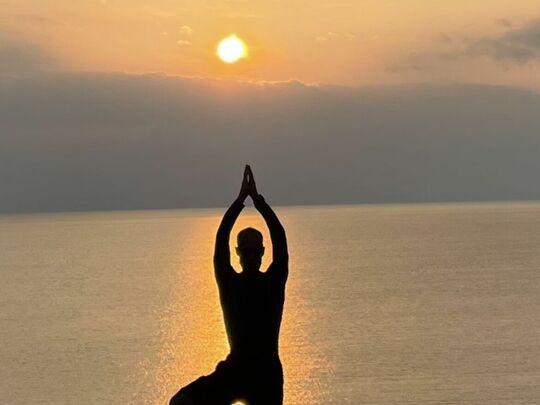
{"type": "Point", "coordinates": [250, 206]}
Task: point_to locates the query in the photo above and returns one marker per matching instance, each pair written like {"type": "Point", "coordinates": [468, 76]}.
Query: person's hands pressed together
{"type": "Point", "coordinates": [252, 187]}
{"type": "Point", "coordinates": [245, 188]}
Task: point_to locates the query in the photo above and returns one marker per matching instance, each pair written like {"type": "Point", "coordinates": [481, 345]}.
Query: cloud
{"type": "Point", "coordinates": [518, 46]}
{"type": "Point", "coordinates": [503, 50]}
{"type": "Point", "coordinates": [446, 39]}
{"type": "Point", "coordinates": [423, 61]}
{"type": "Point", "coordinates": [36, 19]}
{"type": "Point", "coordinates": [528, 35]}
{"type": "Point", "coordinates": [186, 30]}
{"type": "Point", "coordinates": [82, 141]}
{"type": "Point", "coordinates": [504, 22]}
{"type": "Point", "coordinates": [18, 57]}
{"type": "Point", "coordinates": [404, 67]}
{"type": "Point", "coordinates": [329, 36]}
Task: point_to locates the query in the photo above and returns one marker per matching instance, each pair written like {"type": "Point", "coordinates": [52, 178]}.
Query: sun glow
{"type": "Point", "coordinates": [232, 49]}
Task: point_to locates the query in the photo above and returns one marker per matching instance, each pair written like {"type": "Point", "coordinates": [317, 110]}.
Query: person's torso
{"type": "Point", "coordinates": [252, 309]}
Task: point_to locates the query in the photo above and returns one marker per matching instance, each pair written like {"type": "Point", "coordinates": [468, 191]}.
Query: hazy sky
{"type": "Point", "coordinates": [350, 42]}
{"type": "Point", "coordinates": [124, 104]}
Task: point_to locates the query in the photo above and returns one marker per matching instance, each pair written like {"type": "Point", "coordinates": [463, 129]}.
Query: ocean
{"type": "Point", "coordinates": [385, 304]}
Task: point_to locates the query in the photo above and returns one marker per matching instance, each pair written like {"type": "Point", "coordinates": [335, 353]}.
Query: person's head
{"type": "Point", "coordinates": [250, 249]}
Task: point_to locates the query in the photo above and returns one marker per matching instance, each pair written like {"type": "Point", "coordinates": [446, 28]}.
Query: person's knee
{"type": "Point", "coordinates": [181, 399]}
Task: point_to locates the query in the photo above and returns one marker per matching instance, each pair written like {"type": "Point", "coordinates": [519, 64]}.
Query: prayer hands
{"type": "Point", "coordinates": [248, 185]}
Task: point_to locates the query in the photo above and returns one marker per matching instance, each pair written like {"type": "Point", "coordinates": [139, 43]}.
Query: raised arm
{"type": "Point", "coordinates": [222, 256]}
{"type": "Point", "coordinates": [280, 254]}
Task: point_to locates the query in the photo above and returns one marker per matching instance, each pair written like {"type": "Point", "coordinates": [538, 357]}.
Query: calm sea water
{"type": "Point", "coordinates": [403, 304]}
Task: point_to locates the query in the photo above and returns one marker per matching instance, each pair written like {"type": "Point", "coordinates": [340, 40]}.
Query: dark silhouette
{"type": "Point", "coordinates": [252, 303]}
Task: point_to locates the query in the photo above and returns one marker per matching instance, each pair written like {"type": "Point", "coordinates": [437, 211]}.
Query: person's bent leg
{"type": "Point", "coordinates": [181, 399]}
{"type": "Point", "coordinates": [204, 390]}
{"type": "Point", "coordinates": [217, 388]}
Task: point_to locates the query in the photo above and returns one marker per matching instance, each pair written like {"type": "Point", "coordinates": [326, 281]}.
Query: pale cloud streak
{"type": "Point", "coordinates": [186, 30]}
{"type": "Point", "coordinates": [330, 36]}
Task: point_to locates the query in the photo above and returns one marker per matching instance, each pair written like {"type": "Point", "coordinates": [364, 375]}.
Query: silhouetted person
{"type": "Point", "coordinates": [252, 304]}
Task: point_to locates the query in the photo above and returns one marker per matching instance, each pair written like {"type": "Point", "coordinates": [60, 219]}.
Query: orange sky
{"type": "Point", "coordinates": [346, 42]}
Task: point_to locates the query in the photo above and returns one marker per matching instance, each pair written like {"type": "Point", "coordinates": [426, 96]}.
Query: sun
{"type": "Point", "coordinates": [232, 49]}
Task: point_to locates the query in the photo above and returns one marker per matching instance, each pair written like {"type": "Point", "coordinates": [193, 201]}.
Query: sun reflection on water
{"type": "Point", "coordinates": [192, 335]}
